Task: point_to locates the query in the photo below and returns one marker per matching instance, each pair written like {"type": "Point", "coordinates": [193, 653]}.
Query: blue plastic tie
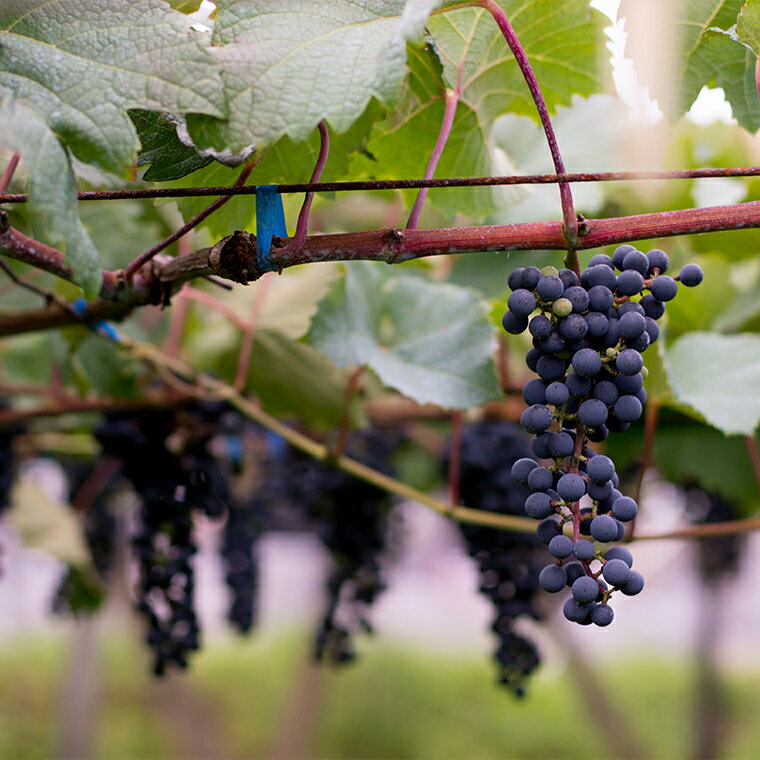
{"type": "Point", "coordinates": [270, 220]}
{"type": "Point", "coordinates": [106, 329]}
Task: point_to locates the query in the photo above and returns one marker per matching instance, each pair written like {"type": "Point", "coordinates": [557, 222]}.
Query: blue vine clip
{"type": "Point", "coordinates": [270, 220]}
{"type": "Point", "coordinates": [106, 329]}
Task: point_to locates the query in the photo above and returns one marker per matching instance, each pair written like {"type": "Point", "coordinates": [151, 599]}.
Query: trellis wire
{"type": "Point", "coordinates": [406, 184]}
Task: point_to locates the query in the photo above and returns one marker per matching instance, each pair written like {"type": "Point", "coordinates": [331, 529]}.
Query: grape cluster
{"type": "Point", "coordinates": [260, 488]}
{"type": "Point", "coordinates": [509, 562]}
{"type": "Point", "coordinates": [7, 457]}
{"type": "Point", "coordinates": [588, 337]}
{"type": "Point", "coordinates": [351, 519]}
{"type": "Point", "coordinates": [718, 557]}
{"type": "Point", "coordinates": [167, 459]}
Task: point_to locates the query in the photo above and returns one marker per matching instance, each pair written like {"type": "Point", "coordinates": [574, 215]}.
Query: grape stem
{"type": "Point", "coordinates": [9, 171]}
{"type": "Point", "coordinates": [647, 450]}
{"type": "Point", "coordinates": [570, 221]}
{"type": "Point", "coordinates": [451, 98]}
{"type": "Point", "coordinates": [302, 225]}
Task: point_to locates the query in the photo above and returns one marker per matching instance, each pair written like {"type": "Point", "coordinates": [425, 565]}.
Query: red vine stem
{"type": "Point", "coordinates": [204, 298]}
{"type": "Point", "coordinates": [100, 475]}
{"type": "Point", "coordinates": [299, 238]}
{"type": "Point", "coordinates": [173, 341]}
{"type": "Point", "coordinates": [451, 98]}
{"type": "Point", "coordinates": [135, 265]}
{"type": "Point", "coordinates": [565, 193]}
{"type": "Point", "coordinates": [389, 245]}
{"type": "Point", "coordinates": [8, 172]}
{"type": "Point", "coordinates": [651, 418]}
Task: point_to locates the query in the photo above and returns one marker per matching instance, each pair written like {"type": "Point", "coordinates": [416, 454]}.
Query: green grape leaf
{"type": "Point", "coordinates": [52, 188]}
{"type": "Point", "coordinates": [717, 376]}
{"type": "Point", "coordinates": [288, 64]}
{"type": "Point", "coordinates": [166, 157]}
{"type": "Point", "coordinates": [27, 358]}
{"type": "Point", "coordinates": [430, 341]}
{"type": "Point", "coordinates": [687, 452]}
{"type": "Point", "coordinates": [748, 25]}
{"type": "Point", "coordinates": [706, 51]}
{"type": "Point", "coordinates": [468, 52]}
{"type": "Point", "coordinates": [561, 40]}
{"type": "Point", "coordinates": [733, 67]}
{"type": "Point", "coordinates": [98, 366]}
{"type": "Point", "coordinates": [589, 132]}
{"type": "Point", "coordinates": [742, 313]}
{"type": "Point", "coordinates": [81, 66]}
{"type": "Point", "coordinates": [317, 400]}
{"type": "Point", "coordinates": [695, 453]}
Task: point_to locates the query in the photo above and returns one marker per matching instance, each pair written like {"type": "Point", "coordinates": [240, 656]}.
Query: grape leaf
{"type": "Point", "coordinates": [705, 51]}
{"type": "Point", "coordinates": [98, 366]}
{"type": "Point", "coordinates": [717, 376]}
{"type": "Point", "coordinates": [81, 66]}
{"type": "Point", "coordinates": [748, 25]}
{"type": "Point", "coordinates": [430, 341]}
{"type": "Point", "coordinates": [287, 64]}
{"type": "Point", "coordinates": [317, 402]}
{"type": "Point", "coordinates": [288, 378]}
{"type": "Point", "coordinates": [687, 452]}
{"type": "Point", "coordinates": [467, 51]}
{"type": "Point", "coordinates": [742, 312]}
{"type": "Point", "coordinates": [166, 157]}
{"type": "Point", "coordinates": [697, 453]}
{"type": "Point", "coordinates": [52, 188]}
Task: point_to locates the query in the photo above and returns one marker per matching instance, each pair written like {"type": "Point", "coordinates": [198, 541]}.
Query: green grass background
{"type": "Point", "coordinates": [260, 698]}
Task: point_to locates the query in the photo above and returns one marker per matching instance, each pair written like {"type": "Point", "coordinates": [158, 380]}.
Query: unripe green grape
{"type": "Point", "coordinates": [562, 307]}
{"type": "Point", "coordinates": [550, 270]}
